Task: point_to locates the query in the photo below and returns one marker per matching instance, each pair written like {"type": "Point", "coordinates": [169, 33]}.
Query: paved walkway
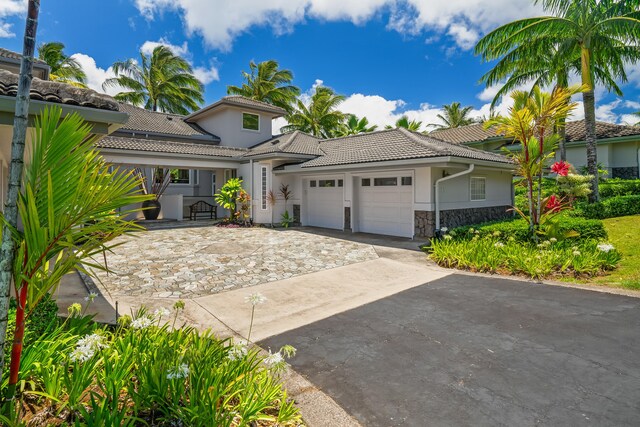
{"type": "Point", "coordinates": [193, 262]}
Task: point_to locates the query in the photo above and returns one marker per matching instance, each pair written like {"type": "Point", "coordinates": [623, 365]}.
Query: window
{"type": "Point", "coordinates": [312, 183]}
{"type": "Point", "coordinates": [250, 121]}
{"type": "Point", "coordinates": [385, 182]}
{"type": "Point", "coordinates": [327, 183]}
{"type": "Point", "coordinates": [228, 174]}
{"type": "Point", "coordinates": [263, 175]}
{"type": "Point", "coordinates": [478, 188]}
{"type": "Point", "coordinates": [178, 176]}
{"type": "Point", "coordinates": [340, 183]}
{"type": "Point", "coordinates": [406, 180]}
{"type": "Point", "coordinates": [366, 182]}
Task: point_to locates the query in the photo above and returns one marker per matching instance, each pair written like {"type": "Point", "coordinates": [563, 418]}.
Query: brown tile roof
{"type": "Point", "coordinates": [59, 93]}
{"type": "Point", "coordinates": [242, 102]}
{"type": "Point", "coordinates": [157, 146]}
{"type": "Point", "coordinates": [145, 121]}
{"type": "Point", "coordinates": [288, 143]}
{"type": "Point", "coordinates": [392, 144]}
{"type": "Point", "coordinates": [576, 131]}
{"type": "Point", "coordinates": [6, 53]}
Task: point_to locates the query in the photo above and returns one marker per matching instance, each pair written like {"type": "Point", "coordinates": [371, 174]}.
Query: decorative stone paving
{"type": "Point", "coordinates": [192, 262]}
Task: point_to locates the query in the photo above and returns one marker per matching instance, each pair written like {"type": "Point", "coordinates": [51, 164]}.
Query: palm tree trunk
{"type": "Point", "coordinates": [7, 248]}
{"type": "Point", "coordinates": [562, 133]}
{"type": "Point", "coordinates": [592, 147]}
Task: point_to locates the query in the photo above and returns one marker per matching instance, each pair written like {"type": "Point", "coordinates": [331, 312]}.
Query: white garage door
{"type": "Point", "coordinates": [325, 202]}
{"type": "Point", "coordinates": [385, 205]}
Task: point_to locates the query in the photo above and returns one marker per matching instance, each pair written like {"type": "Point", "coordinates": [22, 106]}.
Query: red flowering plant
{"type": "Point", "coordinates": [561, 168]}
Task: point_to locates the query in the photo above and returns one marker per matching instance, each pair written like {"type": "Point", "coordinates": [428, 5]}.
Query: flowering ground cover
{"type": "Point", "coordinates": [145, 371]}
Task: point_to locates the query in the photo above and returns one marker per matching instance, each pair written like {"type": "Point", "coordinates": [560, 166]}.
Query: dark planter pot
{"type": "Point", "coordinates": [151, 209]}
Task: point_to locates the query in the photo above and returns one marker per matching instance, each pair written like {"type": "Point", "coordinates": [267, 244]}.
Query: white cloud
{"type": "Point", "coordinates": [206, 75]}
{"type": "Point", "coordinates": [179, 50]}
{"type": "Point", "coordinates": [221, 21]}
{"type": "Point", "coordinates": [95, 75]}
{"type": "Point", "coordinates": [9, 8]}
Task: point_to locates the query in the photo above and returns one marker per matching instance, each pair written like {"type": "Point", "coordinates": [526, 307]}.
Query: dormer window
{"type": "Point", "coordinates": [250, 121]}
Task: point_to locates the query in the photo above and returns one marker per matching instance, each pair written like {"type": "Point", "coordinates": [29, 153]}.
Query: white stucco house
{"type": "Point", "coordinates": [392, 182]}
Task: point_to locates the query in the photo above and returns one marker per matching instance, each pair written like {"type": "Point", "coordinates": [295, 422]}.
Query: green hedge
{"type": "Point", "coordinates": [519, 228]}
{"type": "Point", "coordinates": [610, 208]}
{"type": "Point", "coordinates": [619, 187]}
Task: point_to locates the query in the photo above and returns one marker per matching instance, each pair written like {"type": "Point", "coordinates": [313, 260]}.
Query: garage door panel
{"type": "Point", "coordinates": [385, 209]}
{"type": "Point", "coordinates": [325, 207]}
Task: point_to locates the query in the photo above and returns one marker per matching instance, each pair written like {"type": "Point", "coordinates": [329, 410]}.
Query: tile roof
{"type": "Point", "coordinates": [392, 144]}
{"type": "Point", "coordinates": [59, 93]}
{"type": "Point", "coordinates": [141, 120]}
{"type": "Point", "coordinates": [576, 131]}
{"type": "Point", "coordinates": [240, 101]}
{"type": "Point", "coordinates": [174, 147]}
{"type": "Point", "coordinates": [288, 143]}
{"type": "Point", "coordinates": [6, 53]}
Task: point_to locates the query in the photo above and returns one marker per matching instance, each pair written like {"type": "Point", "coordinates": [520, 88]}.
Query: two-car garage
{"type": "Point", "coordinates": [381, 203]}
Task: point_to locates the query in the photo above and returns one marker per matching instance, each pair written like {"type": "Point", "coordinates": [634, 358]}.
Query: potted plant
{"type": "Point", "coordinates": [161, 180]}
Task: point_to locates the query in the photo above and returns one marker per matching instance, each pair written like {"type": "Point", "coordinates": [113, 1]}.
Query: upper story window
{"type": "Point", "coordinates": [478, 188]}
{"type": "Point", "coordinates": [250, 121]}
{"type": "Point", "coordinates": [178, 176]}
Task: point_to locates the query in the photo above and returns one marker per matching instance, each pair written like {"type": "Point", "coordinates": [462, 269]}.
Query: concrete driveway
{"type": "Point", "coordinates": [477, 351]}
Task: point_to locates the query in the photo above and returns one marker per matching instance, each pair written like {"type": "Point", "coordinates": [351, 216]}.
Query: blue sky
{"type": "Point", "coordinates": [388, 57]}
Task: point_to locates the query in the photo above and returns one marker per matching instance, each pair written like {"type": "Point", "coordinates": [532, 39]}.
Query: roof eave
{"type": "Point", "coordinates": [225, 103]}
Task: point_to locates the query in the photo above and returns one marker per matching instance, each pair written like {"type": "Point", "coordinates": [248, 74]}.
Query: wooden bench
{"type": "Point", "coordinates": [202, 207]}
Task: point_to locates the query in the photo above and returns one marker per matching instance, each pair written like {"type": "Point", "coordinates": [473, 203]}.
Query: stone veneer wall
{"type": "Point", "coordinates": [425, 221]}
{"type": "Point", "coordinates": [625, 173]}
{"type": "Point", "coordinates": [296, 215]}
{"type": "Point", "coordinates": [347, 218]}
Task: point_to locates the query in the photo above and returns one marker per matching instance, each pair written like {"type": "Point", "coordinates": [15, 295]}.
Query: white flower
{"type": "Point", "coordinates": [498, 245]}
{"type": "Point", "coordinates": [255, 299]}
{"type": "Point", "coordinates": [142, 322]}
{"type": "Point", "coordinates": [448, 237]}
{"type": "Point", "coordinates": [161, 312]}
{"type": "Point", "coordinates": [237, 351]}
{"type": "Point", "coordinates": [93, 341]}
{"type": "Point", "coordinates": [273, 359]}
{"type": "Point", "coordinates": [606, 247]}
{"type": "Point", "coordinates": [180, 372]}
{"type": "Point", "coordinates": [553, 240]}
{"type": "Point", "coordinates": [576, 253]}
{"type": "Point", "coordinates": [444, 229]}
{"type": "Point", "coordinates": [81, 354]}
{"type": "Point", "coordinates": [91, 297]}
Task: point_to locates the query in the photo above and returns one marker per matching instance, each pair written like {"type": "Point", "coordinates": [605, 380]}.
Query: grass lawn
{"type": "Point", "coordinates": [624, 234]}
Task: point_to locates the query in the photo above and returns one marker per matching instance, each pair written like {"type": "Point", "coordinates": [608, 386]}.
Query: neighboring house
{"type": "Point", "coordinates": [392, 182]}
{"type": "Point", "coordinates": [618, 145]}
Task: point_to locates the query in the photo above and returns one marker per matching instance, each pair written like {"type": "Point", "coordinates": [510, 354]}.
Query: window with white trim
{"type": "Point", "coordinates": [478, 190]}
{"type": "Point", "coordinates": [178, 176]}
{"type": "Point", "coordinates": [250, 121]}
{"type": "Point", "coordinates": [263, 186]}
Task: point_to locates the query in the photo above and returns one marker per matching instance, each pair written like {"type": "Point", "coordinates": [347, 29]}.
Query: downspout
{"type": "Point", "coordinates": [251, 190]}
{"type": "Point", "coordinates": [437, 188]}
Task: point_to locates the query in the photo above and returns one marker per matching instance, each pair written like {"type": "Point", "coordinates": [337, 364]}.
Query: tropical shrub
{"type": "Point", "coordinates": [228, 196]}
{"type": "Point", "coordinates": [610, 208]}
{"type": "Point", "coordinates": [144, 372]}
{"type": "Point", "coordinates": [43, 316]}
{"type": "Point", "coordinates": [619, 187]}
{"type": "Point", "coordinates": [501, 254]}
{"type": "Point", "coordinates": [575, 228]}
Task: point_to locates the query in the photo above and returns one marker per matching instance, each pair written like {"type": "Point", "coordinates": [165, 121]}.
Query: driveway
{"type": "Point", "coordinates": [478, 351]}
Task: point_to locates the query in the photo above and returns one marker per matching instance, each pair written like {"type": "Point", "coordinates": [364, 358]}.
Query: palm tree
{"type": "Point", "coordinates": [453, 116]}
{"type": "Point", "coordinates": [10, 215]}
{"type": "Point", "coordinates": [321, 117]}
{"type": "Point", "coordinates": [63, 68]}
{"type": "Point", "coordinates": [404, 122]}
{"type": "Point", "coordinates": [267, 83]}
{"type": "Point", "coordinates": [355, 126]}
{"type": "Point", "coordinates": [595, 32]}
{"type": "Point", "coordinates": [161, 81]}
{"type": "Point", "coordinates": [637, 114]}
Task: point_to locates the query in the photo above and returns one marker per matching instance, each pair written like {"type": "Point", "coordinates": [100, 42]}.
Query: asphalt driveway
{"type": "Point", "coordinates": [467, 350]}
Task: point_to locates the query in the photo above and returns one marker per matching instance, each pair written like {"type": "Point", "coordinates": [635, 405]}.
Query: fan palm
{"type": "Point", "coordinates": [68, 209]}
{"type": "Point", "coordinates": [593, 32]}
{"type": "Point", "coordinates": [355, 126]}
{"type": "Point", "coordinates": [161, 81]}
{"type": "Point", "coordinates": [63, 68]}
{"type": "Point", "coordinates": [321, 117]}
{"type": "Point", "coordinates": [453, 116]}
{"type": "Point", "coordinates": [404, 122]}
{"type": "Point", "coordinates": [266, 82]}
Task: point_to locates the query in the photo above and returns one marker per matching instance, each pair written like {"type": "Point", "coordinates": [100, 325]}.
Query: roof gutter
{"type": "Point", "coordinates": [437, 191]}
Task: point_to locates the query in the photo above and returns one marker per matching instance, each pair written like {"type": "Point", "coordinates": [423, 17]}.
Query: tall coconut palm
{"type": "Point", "coordinates": [637, 114]}
{"type": "Point", "coordinates": [321, 117]}
{"type": "Point", "coordinates": [354, 126]}
{"type": "Point", "coordinates": [454, 116]}
{"type": "Point", "coordinates": [161, 81]}
{"type": "Point", "coordinates": [10, 214]}
{"type": "Point", "coordinates": [266, 82]}
{"type": "Point", "coordinates": [596, 32]}
{"type": "Point", "coordinates": [63, 68]}
{"type": "Point", "coordinates": [404, 122]}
